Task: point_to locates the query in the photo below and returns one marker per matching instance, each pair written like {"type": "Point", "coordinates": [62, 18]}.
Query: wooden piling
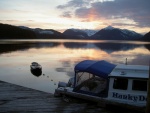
{"type": "Point", "coordinates": [148, 94]}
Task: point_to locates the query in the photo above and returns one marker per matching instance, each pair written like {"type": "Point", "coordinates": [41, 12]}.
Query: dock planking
{"type": "Point", "coordinates": [18, 99]}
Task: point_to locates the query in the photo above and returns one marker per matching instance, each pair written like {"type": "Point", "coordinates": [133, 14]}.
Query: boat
{"type": "Point", "coordinates": [36, 69]}
{"type": "Point", "coordinates": [35, 66]}
{"type": "Point", "coordinates": [108, 84]}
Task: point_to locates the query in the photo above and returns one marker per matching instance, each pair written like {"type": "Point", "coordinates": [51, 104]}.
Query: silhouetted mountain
{"type": "Point", "coordinates": [110, 33]}
{"type": "Point", "coordinates": [45, 33]}
{"type": "Point", "coordinates": [75, 34]}
{"type": "Point", "coordinates": [24, 27]}
{"type": "Point", "coordinates": [48, 34]}
{"type": "Point", "coordinates": [89, 32]}
{"type": "Point", "coordinates": [14, 32]}
{"type": "Point", "coordinates": [23, 32]}
{"type": "Point", "coordinates": [146, 37]}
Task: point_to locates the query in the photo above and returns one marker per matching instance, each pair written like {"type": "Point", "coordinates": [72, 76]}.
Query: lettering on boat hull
{"type": "Point", "coordinates": [129, 97]}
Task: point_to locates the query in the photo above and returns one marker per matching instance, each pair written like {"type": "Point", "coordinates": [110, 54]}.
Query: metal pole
{"type": "Point", "coordinates": [148, 94]}
{"type": "Point", "coordinates": [126, 61]}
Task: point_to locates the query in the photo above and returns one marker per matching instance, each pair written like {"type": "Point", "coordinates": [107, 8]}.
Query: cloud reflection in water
{"type": "Point", "coordinates": [58, 59]}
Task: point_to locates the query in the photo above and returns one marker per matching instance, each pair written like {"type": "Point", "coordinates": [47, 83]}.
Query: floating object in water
{"type": "Point", "coordinates": [36, 69]}
{"type": "Point", "coordinates": [35, 66]}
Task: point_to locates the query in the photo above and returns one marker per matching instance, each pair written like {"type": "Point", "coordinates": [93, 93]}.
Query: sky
{"type": "Point", "coordinates": [79, 14]}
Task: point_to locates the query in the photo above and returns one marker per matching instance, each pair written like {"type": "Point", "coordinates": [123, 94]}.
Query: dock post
{"type": "Point", "coordinates": [148, 94]}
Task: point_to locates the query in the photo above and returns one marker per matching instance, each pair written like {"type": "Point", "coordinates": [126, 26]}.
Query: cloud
{"type": "Point", "coordinates": [75, 4]}
{"type": "Point", "coordinates": [67, 14]}
{"type": "Point", "coordinates": [137, 11]}
{"type": "Point", "coordinates": [79, 3]}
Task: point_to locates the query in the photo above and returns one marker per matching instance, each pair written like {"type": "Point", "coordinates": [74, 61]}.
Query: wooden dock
{"type": "Point", "coordinates": [18, 99]}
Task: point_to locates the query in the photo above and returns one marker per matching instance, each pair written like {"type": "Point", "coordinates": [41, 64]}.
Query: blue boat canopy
{"type": "Point", "coordinates": [98, 68]}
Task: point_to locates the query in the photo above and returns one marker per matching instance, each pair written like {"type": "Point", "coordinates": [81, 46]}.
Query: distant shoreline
{"type": "Point", "coordinates": [4, 39]}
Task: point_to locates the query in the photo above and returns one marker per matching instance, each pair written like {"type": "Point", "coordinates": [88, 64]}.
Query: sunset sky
{"type": "Point", "coordinates": [81, 14]}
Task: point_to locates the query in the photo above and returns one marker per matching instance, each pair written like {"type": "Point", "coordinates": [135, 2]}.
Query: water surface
{"type": "Point", "coordinates": [58, 58]}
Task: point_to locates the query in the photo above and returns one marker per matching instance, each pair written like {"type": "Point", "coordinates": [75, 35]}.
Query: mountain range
{"type": "Point", "coordinates": [111, 33]}
{"type": "Point", "coordinates": [108, 33]}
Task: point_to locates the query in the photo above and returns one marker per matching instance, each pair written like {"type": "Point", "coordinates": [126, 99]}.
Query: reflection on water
{"type": "Point", "coordinates": [37, 73]}
{"type": "Point", "coordinates": [58, 58]}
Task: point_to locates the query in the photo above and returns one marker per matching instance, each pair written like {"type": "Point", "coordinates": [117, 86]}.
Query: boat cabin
{"type": "Point", "coordinates": [129, 84]}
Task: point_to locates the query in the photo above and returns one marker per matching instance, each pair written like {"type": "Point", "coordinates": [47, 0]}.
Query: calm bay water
{"type": "Point", "coordinates": [58, 58]}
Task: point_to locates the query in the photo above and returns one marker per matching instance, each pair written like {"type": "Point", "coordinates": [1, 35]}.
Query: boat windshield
{"type": "Point", "coordinates": [82, 77]}
{"type": "Point", "coordinates": [90, 83]}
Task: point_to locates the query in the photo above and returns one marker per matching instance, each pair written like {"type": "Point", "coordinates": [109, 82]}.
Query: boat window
{"type": "Point", "coordinates": [82, 76]}
{"type": "Point", "coordinates": [120, 83]}
{"type": "Point", "coordinates": [96, 85]}
{"type": "Point", "coordinates": [139, 85]}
